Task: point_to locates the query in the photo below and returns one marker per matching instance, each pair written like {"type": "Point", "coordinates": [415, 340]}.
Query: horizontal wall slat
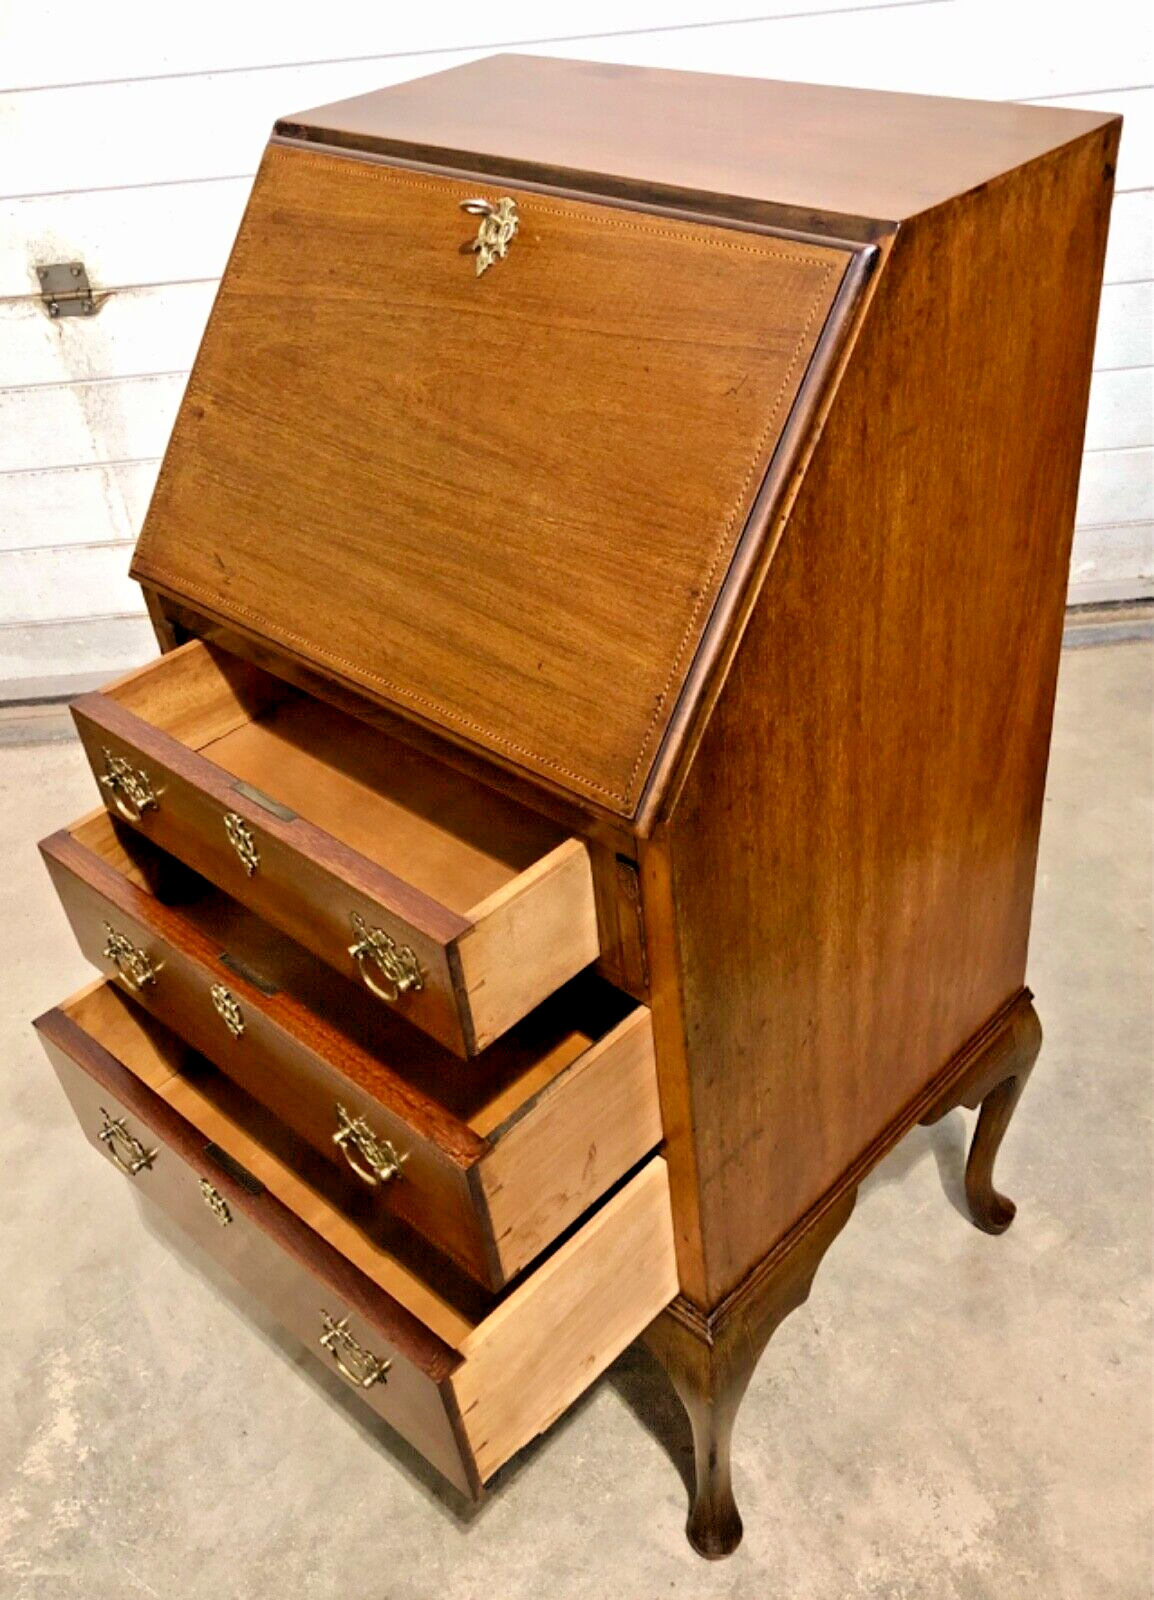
{"type": "Point", "coordinates": [51, 660]}
{"type": "Point", "coordinates": [1112, 563]}
{"type": "Point", "coordinates": [219, 33]}
{"type": "Point", "coordinates": [1130, 251]}
{"type": "Point", "coordinates": [1136, 107]}
{"type": "Point", "coordinates": [161, 130]}
{"type": "Point", "coordinates": [125, 237]}
{"type": "Point", "coordinates": [1117, 487]}
{"type": "Point", "coordinates": [125, 419]}
{"type": "Point", "coordinates": [976, 49]}
{"type": "Point", "coordinates": [135, 333]}
{"type": "Point", "coordinates": [1125, 326]}
{"type": "Point", "coordinates": [49, 585]}
{"type": "Point", "coordinates": [1121, 409]}
{"type": "Point", "coordinates": [74, 505]}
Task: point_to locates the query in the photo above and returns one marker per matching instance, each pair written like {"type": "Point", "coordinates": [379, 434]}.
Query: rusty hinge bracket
{"type": "Point", "coordinates": [65, 290]}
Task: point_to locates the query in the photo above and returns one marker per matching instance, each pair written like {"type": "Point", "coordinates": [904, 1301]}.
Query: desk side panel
{"type": "Point", "coordinates": [840, 894]}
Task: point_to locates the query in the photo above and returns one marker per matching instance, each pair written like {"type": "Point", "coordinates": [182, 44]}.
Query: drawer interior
{"type": "Point", "coordinates": [449, 837]}
{"type": "Point", "coordinates": [485, 1092]}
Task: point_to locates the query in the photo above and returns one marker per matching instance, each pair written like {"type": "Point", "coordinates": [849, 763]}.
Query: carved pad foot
{"type": "Point", "coordinates": [710, 1361]}
{"type": "Point", "coordinates": [994, 1082]}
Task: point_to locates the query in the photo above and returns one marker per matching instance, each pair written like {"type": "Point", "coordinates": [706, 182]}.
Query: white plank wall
{"type": "Point", "coordinates": [131, 144]}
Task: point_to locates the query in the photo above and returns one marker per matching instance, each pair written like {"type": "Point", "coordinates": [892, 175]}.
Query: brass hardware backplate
{"type": "Point", "coordinates": [228, 1009]}
{"type": "Point", "coordinates": [359, 1366]}
{"type": "Point", "coordinates": [216, 1203]}
{"type": "Point", "coordinates": [497, 229]}
{"type": "Point", "coordinates": [65, 290]}
{"type": "Point", "coordinates": [130, 787]}
{"type": "Point", "coordinates": [125, 1148]}
{"type": "Point", "coordinates": [133, 963]}
{"type": "Point", "coordinates": [242, 841]}
{"type": "Point", "coordinates": [243, 970]}
{"type": "Point", "coordinates": [399, 966]}
{"type": "Point", "coordinates": [265, 801]}
{"type": "Point", "coordinates": [234, 1169]}
{"type": "Point", "coordinates": [381, 1158]}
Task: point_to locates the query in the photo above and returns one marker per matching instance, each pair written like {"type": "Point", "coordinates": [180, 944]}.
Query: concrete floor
{"type": "Point", "coordinates": [950, 1416]}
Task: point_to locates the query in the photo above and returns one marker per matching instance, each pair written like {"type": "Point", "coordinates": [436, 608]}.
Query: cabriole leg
{"type": "Point", "coordinates": [995, 1083]}
{"type": "Point", "coordinates": [710, 1361]}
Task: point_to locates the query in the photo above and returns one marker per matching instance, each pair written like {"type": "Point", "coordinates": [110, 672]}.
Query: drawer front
{"type": "Point", "coordinates": [310, 1291]}
{"type": "Point", "coordinates": [462, 978]}
{"type": "Point", "coordinates": [467, 1406]}
{"type": "Point", "coordinates": [177, 975]}
{"type": "Point", "coordinates": [289, 872]}
{"type": "Point", "coordinates": [564, 1107]}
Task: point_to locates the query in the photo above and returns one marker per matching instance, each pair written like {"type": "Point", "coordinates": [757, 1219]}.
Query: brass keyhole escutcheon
{"type": "Point", "coordinates": [398, 965]}
{"type": "Point", "coordinates": [216, 1202]}
{"type": "Point", "coordinates": [125, 1148]}
{"type": "Point", "coordinates": [240, 836]}
{"type": "Point", "coordinates": [131, 961]}
{"type": "Point", "coordinates": [356, 1365]}
{"type": "Point", "coordinates": [496, 231]}
{"type": "Point", "coordinates": [228, 1009]}
{"type": "Point", "coordinates": [354, 1138]}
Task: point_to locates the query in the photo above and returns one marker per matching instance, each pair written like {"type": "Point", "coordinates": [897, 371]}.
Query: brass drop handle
{"type": "Point", "coordinates": [124, 1147]}
{"type": "Point", "coordinates": [358, 1366]}
{"type": "Point", "coordinates": [130, 787]}
{"type": "Point", "coordinates": [240, 836]}
{"type": "Point", "coordinates": [374, 949]}
{"type": "Point", "coordinates": [354, 1138]}
{"type": "Point", "coordinates": [131, 961]}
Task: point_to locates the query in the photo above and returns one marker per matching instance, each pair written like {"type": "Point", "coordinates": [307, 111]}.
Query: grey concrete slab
{"type": "Point", "coordinates": [951, 1417]}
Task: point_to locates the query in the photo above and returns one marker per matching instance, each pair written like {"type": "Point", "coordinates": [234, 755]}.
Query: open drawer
{"type": "Point", "coordinates": [491, 1160]}
{"type": "Point", "coordinates": [466, 1380]}
{"type": "Point", "coordinates": [455, 905]}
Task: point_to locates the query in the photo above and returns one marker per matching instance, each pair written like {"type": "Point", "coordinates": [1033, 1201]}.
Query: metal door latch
{"type": "Point", "coordinates": [65, 290]}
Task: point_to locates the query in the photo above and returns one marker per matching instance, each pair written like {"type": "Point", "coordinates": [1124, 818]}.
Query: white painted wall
{"type": "Point", "coordinates": [129, 135]}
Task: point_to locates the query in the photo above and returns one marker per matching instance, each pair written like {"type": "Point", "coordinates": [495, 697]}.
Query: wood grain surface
{"type": "Point", "coordinates": [841, 896]}
{"type": "Point", "coordinates": [467, 1396]}
{"type": "Point", "coordinates": [500, 1156]}
{"type": "Point", "coordinates": [832, 156]}
{"type": "Point", "coordinates": [495, 902]}
{"type": "Point", "coordinates": [287, 1266]}
{"type": "Point", "coordinates": [504, 504]}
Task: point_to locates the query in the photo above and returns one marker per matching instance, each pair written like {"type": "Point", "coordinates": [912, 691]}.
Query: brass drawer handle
{"type": "Point", "coordinates": [216, 1203]}
{"type": "Point", "coordinates": [115, 1138]}
{"type": "Point", "coordinates": [242, 841]}
{"type": "Point", "coordinates": [382, 1161]}
{"type": "Point", "coordinates": [130, 787]}
{"type": "Point", "coordinates": [228, 1009]}
{"type": "Point", "coordinates": [133, 963]}
{"type": "Point", "coordinates": [399, 967]}
{"type": "Point", "coordinates": [359, 1366]}
{"type": "Point", "coordinates": [496, 231]}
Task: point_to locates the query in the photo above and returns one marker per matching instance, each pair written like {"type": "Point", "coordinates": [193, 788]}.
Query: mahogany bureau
{"type": "Point", "coordinates": [609, 567]}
